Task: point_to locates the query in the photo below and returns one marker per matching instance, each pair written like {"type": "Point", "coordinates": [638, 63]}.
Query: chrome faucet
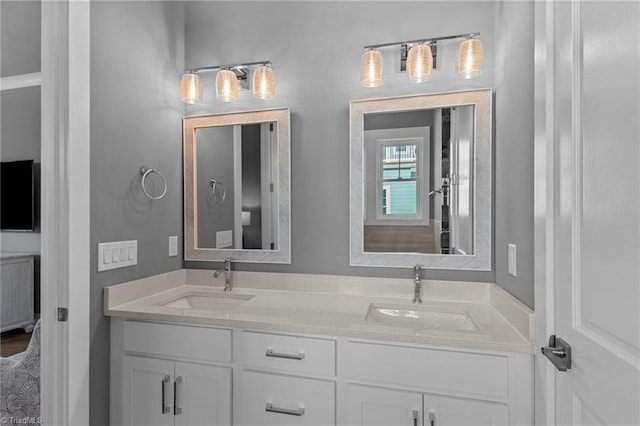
{"type": "Point", "coordinates": [227, 274]}
{"type": "Point", "coordinates": [417, 284]}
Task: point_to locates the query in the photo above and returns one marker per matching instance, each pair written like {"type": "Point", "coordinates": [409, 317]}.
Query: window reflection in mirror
{"type": "Point", "coordinates": [418, 174]}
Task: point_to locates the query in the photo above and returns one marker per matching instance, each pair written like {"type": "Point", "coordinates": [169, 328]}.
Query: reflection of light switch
{"type": "Point", "coordinates": [224, 239]}
{"type": "Point", "coordinates": [511, 260]}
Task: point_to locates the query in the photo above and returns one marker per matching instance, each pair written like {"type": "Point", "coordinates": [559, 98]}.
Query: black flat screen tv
{"type": "Point", "coordinates": [17, 196]}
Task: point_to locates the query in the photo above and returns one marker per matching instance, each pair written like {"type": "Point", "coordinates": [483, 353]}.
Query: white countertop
{"type": "Point", "coordinates": [331, 305]}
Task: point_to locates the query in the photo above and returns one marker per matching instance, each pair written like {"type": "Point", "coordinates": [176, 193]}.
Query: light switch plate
{"type": "Point", "coordinates": [512, 260]}
{"type": "Point", "coordinates": [173, 246]}
{"type": "Point", "coordinates": [117, 254]}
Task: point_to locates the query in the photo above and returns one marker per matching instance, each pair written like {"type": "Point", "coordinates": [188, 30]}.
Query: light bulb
{"type": "Point", "coordinates": [190, 90]}
{"type": "Point", "coordinates": [264, 82]}
{"type": "Point", "coordinates": [371, 68]}
{"type": "Point", "coordinates": [470, 56]}
{"type": "Point", "coordinates": [226, 85]}
{"type": "Point", "coordinates": [419, 63]}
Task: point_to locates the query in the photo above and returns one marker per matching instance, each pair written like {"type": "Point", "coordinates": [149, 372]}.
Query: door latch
{"type": "Point", "coordinates": [63, 313]}
{"type": "Point", "coordinates": [558, 352]}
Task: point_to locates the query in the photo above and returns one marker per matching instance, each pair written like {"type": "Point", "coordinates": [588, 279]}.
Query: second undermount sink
{"type": "Point", "coordinates": [208, 301]}
{"type": "Point", "coordinates": [421, 317]}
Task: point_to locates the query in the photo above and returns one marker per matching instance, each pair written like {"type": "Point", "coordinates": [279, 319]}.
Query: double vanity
{"type": "Point", "coordinates": [295, 349]}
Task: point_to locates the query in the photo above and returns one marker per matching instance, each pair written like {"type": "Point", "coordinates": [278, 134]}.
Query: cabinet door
{"type": "Point", "coordinates": [369, 406]}
{"type": "Point", "coordinates": [449, 411]}
{"type": "Point", "coordinates": [202, 395]}
{"type": "Point", "coordinates": [148, 392]}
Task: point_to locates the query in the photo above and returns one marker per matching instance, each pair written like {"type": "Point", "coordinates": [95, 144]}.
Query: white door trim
{"type": "Point", "coordinates": [65, 212]}
{"type": "Point", "coordinates": [544, 210]}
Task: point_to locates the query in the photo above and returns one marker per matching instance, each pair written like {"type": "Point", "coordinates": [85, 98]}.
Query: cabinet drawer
{"type": "Point", "coordinates": [439, 370]}
{"type": "Point", "coordinates": [271, 399]}
{"type": "Point", "coordinates": [293, 354]}
{"type": "Point", "coordinates": [178, 341]}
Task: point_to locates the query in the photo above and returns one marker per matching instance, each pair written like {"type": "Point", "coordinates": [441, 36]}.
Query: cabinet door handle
{"type": "Point", "coordinates": [415, 417]}
{"type": "Point", "coordinates": [299, 356]}
{"type": "Point", "coordinates": [165, 408]}
{"type": "Point", "coordinates": [432, 419]}
{"type": "Point", "coordinates": [176, 410]}
{"type": "Point", "coordinates": [270, 408]}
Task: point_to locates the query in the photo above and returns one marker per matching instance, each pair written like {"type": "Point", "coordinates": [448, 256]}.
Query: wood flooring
{"type": "Point", "coordinates": [13, 342]}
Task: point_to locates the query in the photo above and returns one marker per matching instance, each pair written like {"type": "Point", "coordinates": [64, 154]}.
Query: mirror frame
{"type": "Point", "coordinates": [281, 118]}
{"type": "Point", "coordinates": [482, 182]}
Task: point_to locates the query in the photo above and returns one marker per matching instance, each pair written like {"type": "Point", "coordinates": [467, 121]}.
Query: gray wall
{"type": "Point", "coordinates": [315, 48]}
{"type": "Point", "coordinates": [20, 108]}
{"type": "Point", "coordinates": [137, 57]}
{"type": "Point", "coordinates": [20, 37]}
{"type": "Point", "coordinates": [214, 149]}
{"type": "Point", "coordinates": [514, 145]}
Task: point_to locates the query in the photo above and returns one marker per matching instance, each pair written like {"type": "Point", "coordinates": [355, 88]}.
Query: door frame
{"type": "Point", "coordinates": [65, 215]}
{"type": "Point", "coordinates": [545, 209]}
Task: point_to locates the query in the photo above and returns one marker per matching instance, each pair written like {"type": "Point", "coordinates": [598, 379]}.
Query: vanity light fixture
{"type": "Point", "coordinates": [230, 79]}
{"type": "Point", "coordinates": [421, 58]}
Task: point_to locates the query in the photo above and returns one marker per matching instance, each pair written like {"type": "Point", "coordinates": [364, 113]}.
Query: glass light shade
{"type": "Point", "coordinates": [470, 56]}
{"type": "Point", "coordinates": [371, 68]}
{"type": "Point", "coordinates": [226, 86]}
{"type": "Point", "coordinates": [264, 82]}
{"type": "Point", "coordinates": [190, 90]}
{"type": "Point", "coordinates": [419, 63]}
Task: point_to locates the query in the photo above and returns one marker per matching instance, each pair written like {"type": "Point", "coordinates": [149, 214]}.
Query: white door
{"type": "Point", "coordinates": [202, 395]}
{"type": "Point", "coordinates": [588, 170]}
{"type": "Point", "coordinates": [147, 397]}
{"type": "Point", "coordinates": [370, 406]}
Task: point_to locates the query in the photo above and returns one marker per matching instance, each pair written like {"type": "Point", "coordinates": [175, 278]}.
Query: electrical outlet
{"type": "Point", "coordinates": [512, 259]}
{"type": "Point", "coordinates": [173, 246]}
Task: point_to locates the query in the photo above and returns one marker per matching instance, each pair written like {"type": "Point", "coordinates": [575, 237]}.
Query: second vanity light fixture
{"type": "Point", "coordinates": [229, 80]}
{"type": "Point", "coordinates": [419, 60]}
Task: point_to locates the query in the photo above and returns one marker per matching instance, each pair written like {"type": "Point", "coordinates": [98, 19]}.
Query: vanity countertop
{"type": "Point", "coordinates": [331, 305]}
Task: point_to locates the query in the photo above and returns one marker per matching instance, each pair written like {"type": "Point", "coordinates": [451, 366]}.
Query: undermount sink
{"type": "Point", "coordinates": [207, 301]}
{"type": "Point", "coordinates": [421, 317]}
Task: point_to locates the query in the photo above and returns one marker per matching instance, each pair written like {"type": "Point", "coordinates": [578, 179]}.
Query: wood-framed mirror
{"type": "Point", "coordinates": [421, 186]}
{"type": "Point", "coordinates": [237, 186]}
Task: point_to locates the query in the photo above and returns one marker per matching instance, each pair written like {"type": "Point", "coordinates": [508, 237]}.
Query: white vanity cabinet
{"type": "Point", "coordinates": [165, 374]}
{"type": "Point", "coordinates": [412, 385]}
{"type": "Point", "coordinates": [169, 375]}
{"type": "Point", "coordinates": [285, 380]}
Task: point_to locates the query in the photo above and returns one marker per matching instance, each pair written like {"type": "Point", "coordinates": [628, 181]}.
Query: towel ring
{"type": "Point", "coordinates": [146, 171]}
{"type": "Point", "coordinates": [214, 183]}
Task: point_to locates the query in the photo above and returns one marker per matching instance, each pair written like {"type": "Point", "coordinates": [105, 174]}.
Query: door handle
{"type": "Point", "coordinates": [165, 408]}
{"type": "Point", "coordinates": [176, 410]}
{"type": "Point", "coordinates": [558, 352]}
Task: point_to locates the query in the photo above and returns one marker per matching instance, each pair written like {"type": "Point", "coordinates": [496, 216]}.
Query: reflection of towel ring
{"type": "Point", "coordinates": [146, 171]}
{"type": "Point", "coordinates": [214, 183]}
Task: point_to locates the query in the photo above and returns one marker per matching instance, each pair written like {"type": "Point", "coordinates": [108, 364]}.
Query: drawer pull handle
{"type": "Point", "coordinates": [165, 408]}
{"type": "Point", "coordinates": [176, 410]}
{"type": "Point", "coordinates": [299, 356]}
{"type": "Point", "coordinates": [432, 419]}
{"type": "Point", "coordinates": [415, 417]}
{"type": "Point", "coordinates": [270, 408]}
